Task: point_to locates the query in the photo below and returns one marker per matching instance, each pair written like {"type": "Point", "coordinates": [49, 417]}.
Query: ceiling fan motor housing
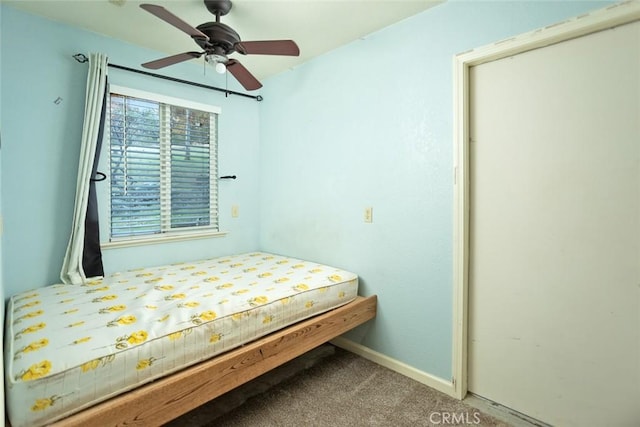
{"type": "Point", "coordinates": [220, 36]}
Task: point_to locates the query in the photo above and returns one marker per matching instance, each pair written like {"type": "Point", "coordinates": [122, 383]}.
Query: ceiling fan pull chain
{"type": "Point", "coordinates": [226, 84]}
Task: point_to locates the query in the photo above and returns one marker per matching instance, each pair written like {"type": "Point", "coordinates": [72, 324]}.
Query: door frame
{"type": "Point", "coordinates": [598, 20]}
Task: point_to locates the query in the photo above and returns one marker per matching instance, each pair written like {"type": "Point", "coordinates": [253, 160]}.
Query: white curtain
{"type": "Point", "coordinates": [72, 270]}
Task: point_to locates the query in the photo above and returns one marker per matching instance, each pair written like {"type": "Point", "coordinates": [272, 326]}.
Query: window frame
{"type": "Point", "coordinates": [178, 234]}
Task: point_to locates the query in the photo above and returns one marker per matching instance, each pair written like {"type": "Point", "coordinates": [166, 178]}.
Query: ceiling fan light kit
{"type": "Point", "coordinates": [218, 41]}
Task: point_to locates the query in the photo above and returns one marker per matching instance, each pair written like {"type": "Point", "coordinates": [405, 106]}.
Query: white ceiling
{"type": "Point", "coordinates": [316, 26]}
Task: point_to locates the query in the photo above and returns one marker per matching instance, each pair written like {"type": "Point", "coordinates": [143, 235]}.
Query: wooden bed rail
{"type": "Point", "coordinates": [167, 398]}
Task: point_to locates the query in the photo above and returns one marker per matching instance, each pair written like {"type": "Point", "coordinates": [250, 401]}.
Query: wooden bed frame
{"type": "Point", "coordinates": [169, 397]}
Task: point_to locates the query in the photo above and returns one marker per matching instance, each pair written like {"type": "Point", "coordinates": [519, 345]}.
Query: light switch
{"type": "Point", "coordinates": [368, 214]}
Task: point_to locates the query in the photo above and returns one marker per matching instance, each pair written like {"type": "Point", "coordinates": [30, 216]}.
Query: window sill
{"type": "Point", "coordinates": [125, 243]}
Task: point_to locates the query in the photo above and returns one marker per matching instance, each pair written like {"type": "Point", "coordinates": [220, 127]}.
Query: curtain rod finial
{"type": "Point", "coordinates": [80, 57]}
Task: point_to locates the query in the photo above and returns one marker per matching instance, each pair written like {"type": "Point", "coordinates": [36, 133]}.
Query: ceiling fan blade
{"type": "Point", "coordinates": [268, 47]}
{"type": "Point", "coordinates": [170, 18]}
{"type": "Point", "coordinates": [243, 75]}
{"type": "Point", "coordinates": [170, 60]}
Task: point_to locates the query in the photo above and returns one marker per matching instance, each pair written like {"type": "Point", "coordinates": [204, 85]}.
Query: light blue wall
{"type": "Point", "coordinates": [41, 143]}
{"type": "Point", "coordinates": [370, 124]}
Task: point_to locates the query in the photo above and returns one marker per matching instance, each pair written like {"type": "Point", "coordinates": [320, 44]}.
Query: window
{"type": "Point", "coordinates": [163, 164]}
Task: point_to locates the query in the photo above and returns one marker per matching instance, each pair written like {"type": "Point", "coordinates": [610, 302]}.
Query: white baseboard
{"type": "Point", "coordinates": [397, 366]}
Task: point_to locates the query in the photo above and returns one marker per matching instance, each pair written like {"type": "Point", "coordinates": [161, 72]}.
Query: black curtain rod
{"type": "Point", "coordinates": [83, 58]}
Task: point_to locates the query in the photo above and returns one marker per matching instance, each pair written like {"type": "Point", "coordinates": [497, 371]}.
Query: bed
{"type": "Point", "coordinates": [144, 346]}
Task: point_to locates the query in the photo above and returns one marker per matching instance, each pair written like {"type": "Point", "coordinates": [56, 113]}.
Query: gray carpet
{"type": "Point", "coordinates": [333, 387]}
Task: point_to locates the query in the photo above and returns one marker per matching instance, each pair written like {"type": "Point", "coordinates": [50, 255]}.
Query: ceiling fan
{"type": "Point", "coordinates": [218, 41]}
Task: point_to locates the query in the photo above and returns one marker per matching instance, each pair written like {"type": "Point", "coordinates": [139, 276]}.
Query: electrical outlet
{"type": "Point", "coordinates": [368, 214]}
{"type": "Point", "coordinates": [235, 211]}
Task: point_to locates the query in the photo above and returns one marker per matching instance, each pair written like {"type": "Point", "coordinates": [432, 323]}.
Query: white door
{"type": "Point", "coordinates": [554, 274]}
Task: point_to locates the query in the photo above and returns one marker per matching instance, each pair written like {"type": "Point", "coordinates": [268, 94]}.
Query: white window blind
{"type": "Point", "coordinates": [163, 161]}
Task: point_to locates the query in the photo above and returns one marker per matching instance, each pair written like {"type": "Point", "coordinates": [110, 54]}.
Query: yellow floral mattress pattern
{"type": "Point", "coordinates": [68, 347]}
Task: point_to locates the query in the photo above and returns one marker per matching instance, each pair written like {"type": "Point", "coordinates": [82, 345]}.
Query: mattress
{"type": "Point", "coordinates": [68, 347]}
